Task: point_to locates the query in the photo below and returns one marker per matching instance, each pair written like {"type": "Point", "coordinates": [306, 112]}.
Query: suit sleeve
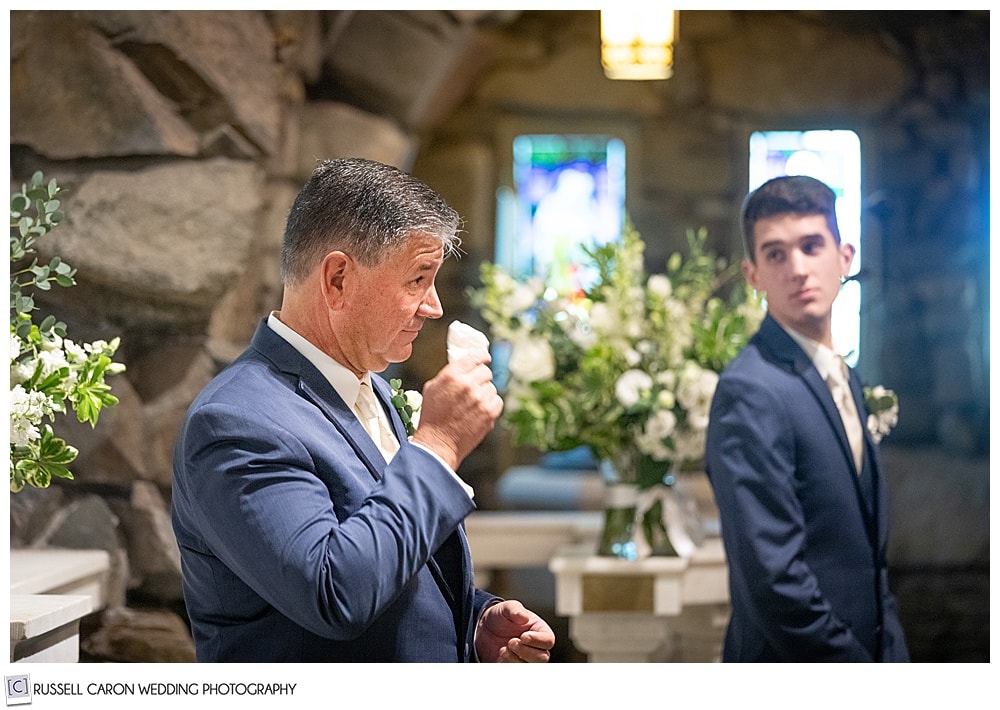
{"type": "Point", "coordinates": [751, 460]}
{"type": "Point", "coordinates": [252, 492]}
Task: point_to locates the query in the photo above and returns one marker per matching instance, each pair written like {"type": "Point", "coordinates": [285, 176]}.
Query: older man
{"type": "Point", "coordinates": [310, 528]}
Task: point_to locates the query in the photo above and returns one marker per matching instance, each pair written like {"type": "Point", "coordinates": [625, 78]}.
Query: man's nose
{"type": "Point", "coordinates": [431, 305]}
{"type": "Point", "coordinates": [797, 263]}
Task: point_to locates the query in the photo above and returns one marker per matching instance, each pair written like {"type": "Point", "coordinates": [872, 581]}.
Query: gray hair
{"type": "Point", "coordinates": [367, 210]}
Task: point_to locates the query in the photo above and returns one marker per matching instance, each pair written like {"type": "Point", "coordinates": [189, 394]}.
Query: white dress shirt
{"type": "Point", "coordinates": [831, 365]}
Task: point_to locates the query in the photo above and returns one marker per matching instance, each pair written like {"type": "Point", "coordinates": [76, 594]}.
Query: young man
{"type": "Point", "coordinates": [310, 529]}
{"type": "Point", "coordinates": [803, 507]}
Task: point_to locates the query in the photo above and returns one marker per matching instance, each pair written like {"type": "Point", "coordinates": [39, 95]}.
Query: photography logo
{"type": "Point", "coordinates": [18, 689]}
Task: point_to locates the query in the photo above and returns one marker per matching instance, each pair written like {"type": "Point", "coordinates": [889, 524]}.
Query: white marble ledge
{"type": "Point", "coordinates": [60, 571]}
{"type": "Point", "coordinates": [46, 627]}
{"type": "Point", "coordinates": [500, 539]}
{"type": "Point", "coordinates": [581, 558]}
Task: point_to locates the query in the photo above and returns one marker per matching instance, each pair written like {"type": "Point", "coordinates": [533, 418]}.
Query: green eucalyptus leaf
{"type": "Point", "coordinates": [19, 202]}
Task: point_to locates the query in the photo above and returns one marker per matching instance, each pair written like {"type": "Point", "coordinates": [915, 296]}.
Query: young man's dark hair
{"type": "Point", "coordinates": [788, 194]}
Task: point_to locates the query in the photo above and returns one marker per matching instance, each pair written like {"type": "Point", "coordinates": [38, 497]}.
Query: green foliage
{"type": "Point", "coordinates": [37, 465]}
{"type": "Point", "coordinates": [407, 403]}
{"type": "Point", "coordinates": [48, 372]}
{"type": "Point", "coordinates": [627, 365]}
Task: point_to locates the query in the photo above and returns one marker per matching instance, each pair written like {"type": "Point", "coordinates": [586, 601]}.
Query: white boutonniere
{"type": "Point", "coordinates": [883, 411]}
{"type": "Point", "coordinates": [407, 403]}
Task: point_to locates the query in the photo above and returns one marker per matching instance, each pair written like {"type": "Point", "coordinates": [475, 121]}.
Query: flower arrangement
{"type": "Point", "coordinates": [883, 411]}
{"type": "Point", "coordinates": [626, 367]}
{"type": "Point", "coordinates": [48, 371]}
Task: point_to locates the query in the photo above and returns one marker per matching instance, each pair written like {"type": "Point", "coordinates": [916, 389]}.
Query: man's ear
{"type": "Point", "coordinates": [847, 252]}
{"type": "Point", "coordinates": [750, 273]}
{"type": "Point", "coordinates": [333, 273]}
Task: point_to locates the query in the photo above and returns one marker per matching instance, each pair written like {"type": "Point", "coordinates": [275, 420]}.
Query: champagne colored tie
{"type": "Point", "coordinates": [837, 381]}
{"type": "Point", "coordinates": [367, 409]}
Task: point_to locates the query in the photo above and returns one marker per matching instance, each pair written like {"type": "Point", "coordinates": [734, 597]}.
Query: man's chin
{"type": "Point", "coordinates": [400, 354]}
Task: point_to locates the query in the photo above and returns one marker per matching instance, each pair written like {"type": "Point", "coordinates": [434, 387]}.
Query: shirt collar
{"type": "Point", "coordinates": [824, 359]}
{"type": "Point", "coordinates": [345, 382]}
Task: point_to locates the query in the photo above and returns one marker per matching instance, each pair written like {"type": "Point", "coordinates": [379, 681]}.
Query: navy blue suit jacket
{"type": "Point", "coordinates": [298, 542]}
{"type": "Point", "coordinates": [804, 533]}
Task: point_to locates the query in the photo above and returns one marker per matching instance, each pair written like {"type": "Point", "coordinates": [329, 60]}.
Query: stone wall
{"type": "Point", "coordinates": [182, 137]}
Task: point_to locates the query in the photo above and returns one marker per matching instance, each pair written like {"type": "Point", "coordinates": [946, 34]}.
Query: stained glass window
{"type": "Point", "coordinates": [835, 158]}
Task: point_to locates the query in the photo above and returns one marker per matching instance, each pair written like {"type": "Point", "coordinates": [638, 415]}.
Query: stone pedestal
{"type": "Point", "coordinates": [654, 609]}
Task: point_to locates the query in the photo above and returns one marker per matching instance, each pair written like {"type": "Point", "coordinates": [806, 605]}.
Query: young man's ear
{"type": "Point", "coordinates": [847, 252]}
{"type": "Point", "coordinates": [750, 273]}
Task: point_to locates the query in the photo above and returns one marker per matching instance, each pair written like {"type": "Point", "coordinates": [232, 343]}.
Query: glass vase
{"type": "Point", "coordinates": [618, 535]}
{"type": "Point", "coordinates": [653, 525]}
{"type": "Point", "coordinates": [635, 518]}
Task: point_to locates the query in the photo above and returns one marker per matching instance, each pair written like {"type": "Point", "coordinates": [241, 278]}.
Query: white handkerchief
{"type": "Point", "coordinates": [464, 339]}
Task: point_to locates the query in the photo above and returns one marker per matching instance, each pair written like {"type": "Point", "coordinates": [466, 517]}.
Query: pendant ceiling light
{"type": "Point", "coordinates": [638, 44]}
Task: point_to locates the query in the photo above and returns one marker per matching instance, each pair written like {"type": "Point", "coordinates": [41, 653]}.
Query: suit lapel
{"type": "Point", "coordinates": [317, 389]}
{"type": "Point", "coordinates": [784, 348]}
{"type": "Point", "coordinates": [780, 344]}
{"type": "Point", "coordinates": [384, 395]}
{"type": "Point", "coordinates": [821, 392]}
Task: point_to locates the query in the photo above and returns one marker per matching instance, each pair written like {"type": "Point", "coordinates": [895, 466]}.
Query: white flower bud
{"type": "Point", "coordinates": [532, 360]}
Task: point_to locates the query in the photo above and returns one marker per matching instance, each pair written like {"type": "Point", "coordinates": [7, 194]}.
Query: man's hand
{"type": "Point", "coordinates": [509, 633]}
{"type": "Point", "coordinates": [460, 406]}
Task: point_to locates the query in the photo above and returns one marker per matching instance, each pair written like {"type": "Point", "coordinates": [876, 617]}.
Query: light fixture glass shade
{"type": "Point", "coordinates": [638, 44]}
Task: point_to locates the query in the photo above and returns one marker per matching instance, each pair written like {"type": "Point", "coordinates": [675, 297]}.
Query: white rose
{"type": "Point", "coordinates": [659, 285]}
{"type": "Point", "coordinates": [696, 387]}
{"type": "Point", "coordinates": [661, 424]}
{"type": "Point", "coordinates": [415, 399]}
{"type": "Point", "coordinates": [631, 385]}
{"type": "Point", "coordinates": [532, 360]}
